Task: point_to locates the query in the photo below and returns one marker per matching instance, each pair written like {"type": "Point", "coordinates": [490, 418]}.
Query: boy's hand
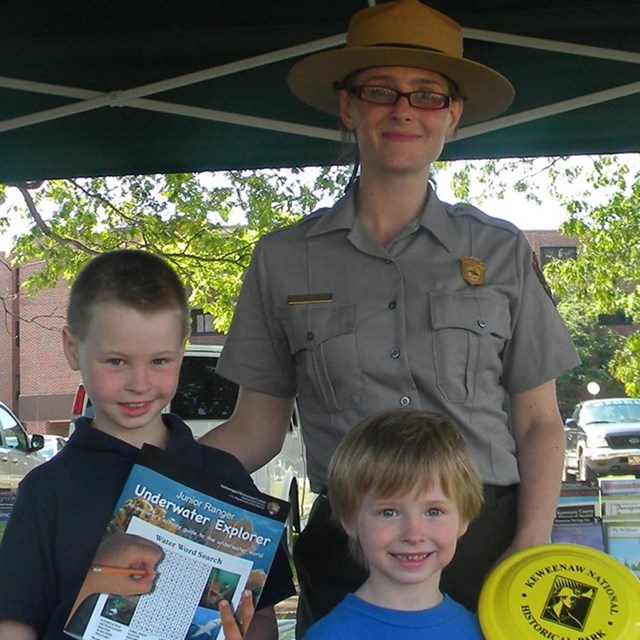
{"type": "Point", "coordinates": [13, 630]}
{"type": "Point", "coordinates": [236, 627]}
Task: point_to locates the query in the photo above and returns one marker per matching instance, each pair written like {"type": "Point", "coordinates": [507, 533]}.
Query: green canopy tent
{"type": "Point", "coordinates": [119, 87]}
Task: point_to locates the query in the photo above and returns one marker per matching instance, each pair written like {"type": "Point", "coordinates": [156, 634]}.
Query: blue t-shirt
{"type": "Point", "coordinates": [355, 619]}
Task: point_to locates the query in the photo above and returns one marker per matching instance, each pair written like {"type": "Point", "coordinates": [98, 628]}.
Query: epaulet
{"type": "Point", "coordinates": [463, 209]}
{"type": "Point", "coordinates": [317, 213]}
{"type": "Point", "coordinates": [314, 215]}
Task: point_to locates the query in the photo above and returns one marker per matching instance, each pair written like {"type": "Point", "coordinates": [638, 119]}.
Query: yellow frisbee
{"type": "Point", "coordinates": [560, 592]}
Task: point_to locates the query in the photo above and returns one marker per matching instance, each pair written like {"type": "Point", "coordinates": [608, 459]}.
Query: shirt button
{"type": "Point", "coordinates": [310, 336]}
{"type": "Point", "coordinates": [395, 353]}
{"type": "Point", "coordinates": [482, 323]}
{"type": "Point", "coordinates": [387, 261]}
{"type": "Point", "coordinates": [392, 304]}
{"type": "Point", "coordinates": [405, 401]}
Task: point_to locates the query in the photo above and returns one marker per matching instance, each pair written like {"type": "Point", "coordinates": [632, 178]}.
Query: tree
{"type": "Point", "coordinates": [190, 220]}
{"type": "Point", "coordinates": [596, 345]}
{"type": "Point", "coordinates": [606, 272]}
{"type": "Point", "coordinates": [602, 198]}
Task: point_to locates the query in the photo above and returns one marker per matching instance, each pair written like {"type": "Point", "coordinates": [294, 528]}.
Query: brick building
{"type": "Point", "coordinates": [551, 245]}
{"type": "Point", "coordinates": [35, 379]}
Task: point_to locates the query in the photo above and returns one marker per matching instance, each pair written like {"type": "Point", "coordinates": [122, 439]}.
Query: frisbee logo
{"type": "Point", "coordinates": [560, 592]}
{"type": "Point", "coordinates": [568, 603]}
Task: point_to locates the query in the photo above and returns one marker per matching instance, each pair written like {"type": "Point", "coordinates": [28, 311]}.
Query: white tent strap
{"type": "Point", "coordinates": [90, 100]}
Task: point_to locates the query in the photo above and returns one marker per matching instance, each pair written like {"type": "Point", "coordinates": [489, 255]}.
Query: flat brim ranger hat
{"type": "Point", "coordinates": [405, 33]}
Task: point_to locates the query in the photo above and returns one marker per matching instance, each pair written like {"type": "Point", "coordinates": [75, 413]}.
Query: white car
{"type": "Point", "coordinates": [52, 444]}
{"type": "Point", "coordinates": [205, 400]}
{"type": "Point", "coordinates": [602, 438]}
{"type": "Point", "coordinates": [18, 453]}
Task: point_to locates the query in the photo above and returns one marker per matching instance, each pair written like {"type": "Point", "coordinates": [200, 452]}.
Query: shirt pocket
{"type": "Point", "coordinates": [469, 335]}
{"type": "Point", "coordinates": [322, 339]}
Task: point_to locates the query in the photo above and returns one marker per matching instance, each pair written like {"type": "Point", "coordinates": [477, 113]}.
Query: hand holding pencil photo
{"type": "Point", "coordinates": [125, 564]}
{"type": "Point", "coordinates": [97, 568]}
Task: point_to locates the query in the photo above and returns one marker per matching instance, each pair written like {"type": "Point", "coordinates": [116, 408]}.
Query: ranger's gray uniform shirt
{"type": "Point", "coordinates": [352, 327]}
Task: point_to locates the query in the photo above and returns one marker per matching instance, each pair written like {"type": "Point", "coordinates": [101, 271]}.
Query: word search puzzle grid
{"type": "Point", "coordinates": [181, 581]}
{"type": "Point", "coordinates": [169, 609]}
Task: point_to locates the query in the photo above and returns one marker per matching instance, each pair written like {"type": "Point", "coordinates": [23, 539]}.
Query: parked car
{"type": "Point", "coordinates": [603, 438]}
{"type": "Point", "coordinates": [52, 444]}
{"type": "Point", "coordinates": [205, 400]}
{"type": "Point", "coordinates": [18, 453]}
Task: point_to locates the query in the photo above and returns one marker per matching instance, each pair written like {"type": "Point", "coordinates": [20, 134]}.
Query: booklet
{"type": "Point", "coordinates": [7, 500]}
{"type": "Point", "coordinates": [179, 542]}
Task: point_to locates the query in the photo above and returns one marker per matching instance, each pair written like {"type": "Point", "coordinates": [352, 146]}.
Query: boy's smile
{"type": "Point", "coordinates": [130, 363]}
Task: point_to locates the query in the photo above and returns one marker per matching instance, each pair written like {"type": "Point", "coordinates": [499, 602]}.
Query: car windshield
{"type": "Point", "coordinates": [623, 411]}
{"type": "Point", "coordinates": [203, 394]}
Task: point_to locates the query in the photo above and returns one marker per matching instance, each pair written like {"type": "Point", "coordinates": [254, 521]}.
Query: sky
{"type": "Point", "coordinates": [515, 208]}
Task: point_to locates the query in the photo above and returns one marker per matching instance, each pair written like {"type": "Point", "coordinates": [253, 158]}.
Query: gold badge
{"type": "Point", "coordinates": [473, 271]}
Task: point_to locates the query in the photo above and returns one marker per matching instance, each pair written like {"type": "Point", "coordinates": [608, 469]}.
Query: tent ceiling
{"type": "Point", "coordinates": [106, 88]}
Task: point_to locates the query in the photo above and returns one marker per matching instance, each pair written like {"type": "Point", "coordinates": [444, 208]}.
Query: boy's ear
{"type": "Point", "coordinates": [70, 347]}
{"type": "Point", "coordinates": [349, 529]}
{"type": "Point", "coordinates": [463, 529]}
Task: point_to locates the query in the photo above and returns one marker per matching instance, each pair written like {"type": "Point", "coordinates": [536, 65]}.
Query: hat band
{"type": "Point", "coordinates": [402, 45]}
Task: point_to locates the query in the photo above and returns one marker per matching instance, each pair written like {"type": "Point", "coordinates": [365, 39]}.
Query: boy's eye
{"type": "Point", "coordinates": [388, 513]}
{"type": "Point", "coordinates": [158, 361]}
{"type": "Point", "coordinates": [115, 361]}
{"type": "Point", "coordinates": [434, 512]}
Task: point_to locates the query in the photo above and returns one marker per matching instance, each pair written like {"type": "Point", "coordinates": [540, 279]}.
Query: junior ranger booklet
{"type": "Point", "coordinates": [198, 541]}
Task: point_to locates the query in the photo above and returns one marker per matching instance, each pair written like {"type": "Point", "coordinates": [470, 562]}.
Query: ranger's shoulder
{"type": "Point", "coordinates": [462, 209]}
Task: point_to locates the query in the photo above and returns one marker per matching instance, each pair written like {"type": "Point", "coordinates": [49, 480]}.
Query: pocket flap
{"type": "Point", "coordinates": [478, 312]}
{"type": "Point", "coordinates": [309, 326]}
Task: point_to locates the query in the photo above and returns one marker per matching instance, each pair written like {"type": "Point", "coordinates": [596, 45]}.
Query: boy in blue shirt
{"type": "Point", "coordinates": [404, 488]}
{"type": "Point", "coordinates": [127, 324]}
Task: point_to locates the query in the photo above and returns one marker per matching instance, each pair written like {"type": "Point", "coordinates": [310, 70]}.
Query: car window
{"type": "Point", "coordinates": [609, 412]}
{"type": "Point", "coordinates": [629, 412]}
{"type": "Point", "coordinates": [202, 393]}
{"type": "Point", "coordinates": [13, 436]}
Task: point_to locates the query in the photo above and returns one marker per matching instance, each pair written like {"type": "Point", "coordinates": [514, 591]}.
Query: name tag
{"type": "Point", "coordinates": [309, 298]}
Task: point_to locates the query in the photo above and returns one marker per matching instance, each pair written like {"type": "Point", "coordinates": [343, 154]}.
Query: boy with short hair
{"type": "Point", "coordinates": [127, 324]}
{"type": "Point", "coordinates": [404, 488]}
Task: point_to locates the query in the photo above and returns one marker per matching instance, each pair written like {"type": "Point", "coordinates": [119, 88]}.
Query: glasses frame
{"type": "Point", "coordinates": [357, 90]}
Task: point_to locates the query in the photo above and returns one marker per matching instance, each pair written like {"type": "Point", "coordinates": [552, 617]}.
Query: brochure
{"type": "Point", "coordinates": [7, 500]}
{"type": "Point", "coordinates": [588, 534]}
{"type": "Point", "coordinates": [623, 543]}
{"type": "Point", "coordinates": [179, 542]}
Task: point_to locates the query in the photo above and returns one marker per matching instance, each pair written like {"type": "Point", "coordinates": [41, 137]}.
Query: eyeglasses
{"type": "Point", "coordinates": [429, 100]}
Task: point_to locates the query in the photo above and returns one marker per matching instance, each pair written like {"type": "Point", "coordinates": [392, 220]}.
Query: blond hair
{"type": "Point", "coordinates": [400, 451]}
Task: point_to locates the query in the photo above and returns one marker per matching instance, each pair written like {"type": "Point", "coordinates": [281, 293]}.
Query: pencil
{"type": "Point", "coordinates": [99, 568]}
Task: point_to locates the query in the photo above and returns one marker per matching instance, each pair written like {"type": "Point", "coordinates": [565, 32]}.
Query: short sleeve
{"type": "Point", "coordinates": [541, 347]}
{"type": "Point", "coordinates": [256, 353]}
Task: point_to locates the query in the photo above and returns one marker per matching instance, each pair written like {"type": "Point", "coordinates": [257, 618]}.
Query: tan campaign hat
{"type": "Point", "coordinates": [405, 33]}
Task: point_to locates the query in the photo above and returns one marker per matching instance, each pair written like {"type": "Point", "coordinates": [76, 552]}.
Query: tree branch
{"type": "Point", "coordinates": [24, 187]}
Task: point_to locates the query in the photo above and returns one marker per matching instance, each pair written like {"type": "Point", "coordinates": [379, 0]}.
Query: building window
{"type": "Point", "coordinates": [548, 254]}
{"type": "Point", "coordinates": [202, 323]}
{"type": "Point", "coordinates": [617, 318]}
